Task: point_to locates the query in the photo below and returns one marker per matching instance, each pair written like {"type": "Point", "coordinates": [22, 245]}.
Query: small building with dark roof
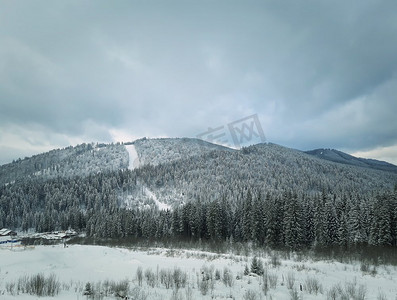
{"type": "Point", "coordinates": [7, 232]}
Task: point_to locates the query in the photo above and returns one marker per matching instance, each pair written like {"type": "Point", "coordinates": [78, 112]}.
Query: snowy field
{"type": "Point", "coordinates": [201, 275]}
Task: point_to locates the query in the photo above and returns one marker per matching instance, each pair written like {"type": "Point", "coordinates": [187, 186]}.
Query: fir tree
{"type": "Point", "coordinates": [293, 234]}
{"type": "Point", "coordinates": [330, 226]}
{"type": "Point", "coordinates": [246, 270]}
{"type": "Point", "coordinates": [257, 266]}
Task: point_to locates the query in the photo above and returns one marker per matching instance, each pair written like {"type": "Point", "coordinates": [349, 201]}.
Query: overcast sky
{"type": "Point", "coordinates": [318, 74]}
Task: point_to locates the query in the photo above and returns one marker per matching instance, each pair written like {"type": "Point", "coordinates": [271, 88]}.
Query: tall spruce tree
{"type": "Point", "coordinates": [293, 233]}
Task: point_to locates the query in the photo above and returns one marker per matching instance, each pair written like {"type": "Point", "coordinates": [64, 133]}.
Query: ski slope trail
{"type": "Point", "coordinates": [160, 205]}
{"type": "Point", "coordinates": [133, 161]}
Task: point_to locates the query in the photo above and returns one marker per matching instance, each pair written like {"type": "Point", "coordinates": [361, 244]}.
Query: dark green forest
{"type": "Point", "coordinates": [277, 220]}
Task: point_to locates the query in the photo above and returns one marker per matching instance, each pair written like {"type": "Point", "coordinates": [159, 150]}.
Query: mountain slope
{"type": "Point", "coordinates": [264, 167]}
{"type": "Point", "coordinates": [82, 160]}
{"type": "Point", "coordinates": [273, 166]}
{"type": "Point", "coordinates": [167, 150]}
{"type": "Point", "coordinates": [168, 173]}
{"type": "Point", "coordinates": [68, 187]}
{"type": "Point", "coordinates": [344, 158]}
{"type": "Point", "coordinates": [86, 159]}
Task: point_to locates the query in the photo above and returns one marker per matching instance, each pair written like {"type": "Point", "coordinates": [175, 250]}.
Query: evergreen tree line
{"type": "Point", "coordinates": [288, 221]}
{"type": "Point", "coordinates": [274, 219]}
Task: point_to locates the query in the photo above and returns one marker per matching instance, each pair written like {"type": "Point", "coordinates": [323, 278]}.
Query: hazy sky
{"type": "Point", "coordinates": [317, 73]}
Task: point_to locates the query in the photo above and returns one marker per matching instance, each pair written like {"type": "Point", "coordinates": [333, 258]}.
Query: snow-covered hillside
{"type": "Point", "coordinates": [201, 275]}
{"type": "Point", "coordinates": [82, 160]}
{"type": "Point", "coordinates": [87, 159]}
{"type": "Point", "coordinates": [167, 150]}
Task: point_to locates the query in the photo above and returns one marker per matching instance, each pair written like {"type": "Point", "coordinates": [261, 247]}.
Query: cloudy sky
{"type": "Point", "coordinates": [318, 74]}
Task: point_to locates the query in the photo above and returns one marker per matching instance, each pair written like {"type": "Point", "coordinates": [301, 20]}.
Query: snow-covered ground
{"type": "Point", "coordinates": [133, 161]}
{"type": "Point", "coordinates": [76, 265]}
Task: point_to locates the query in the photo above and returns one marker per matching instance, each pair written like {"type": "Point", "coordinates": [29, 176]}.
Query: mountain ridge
{"type": "Point", "coordinates": [344, 158]}
{"type": "Point", "coordinates": [86, 159]}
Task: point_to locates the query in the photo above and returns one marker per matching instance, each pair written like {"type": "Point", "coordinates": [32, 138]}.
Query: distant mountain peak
{"type": "Point", "coordinates": [344, 158]}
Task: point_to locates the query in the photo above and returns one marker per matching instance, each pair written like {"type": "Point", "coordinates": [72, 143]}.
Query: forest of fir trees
{"type": "Point", "coordinates": [287, 219]}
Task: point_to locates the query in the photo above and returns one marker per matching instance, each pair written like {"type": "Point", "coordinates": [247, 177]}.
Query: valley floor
{"type": "Point", "coordinates": [76, 265]}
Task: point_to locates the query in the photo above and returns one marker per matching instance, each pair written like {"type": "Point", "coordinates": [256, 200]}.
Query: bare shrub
{"type": "Point", "coordinates": [150, 278]}
{"type": "Point", "coordinates": [206, 279]}
{"type": "Point", "coordinates": [350, 288]}
{"type": "Point", "coordinates": [250, 295]}
{"type": "Point", "coordinates": [138, 294]}
{"type": "Point", "coordinates": [166, 278]}
{"type": "Point", "coordinates": [294, 294]}
{"type": "Point", "coordinates": [180, 278]}
{"type": "Point", "coordinates": [65, 286]}
{"type": "Point", "coordinates": [275, 260]}
{"type": "Point", "coordinates": [207, 273]}
{"type": "Point", "coordinates": [23, 284]}
{"type": "Point", "coordinates": [313, 285]}
{"type": "Point", "coordinates": [364, 267]}
{"type": "Point", "coordinates": [78, 287]}
{"type": "Point", "coordinates": [300, 267]}
{"type": "Point", "coordinates": [204, 286]}
{"type": "Point", "coordinates": [139, 275]}
{"type": "Point", "coordinates": [381, 296]}
{"type": "Point", "coordinates": [106, 287]}
{"type": "Point", "coordinates": [337, 292]}
{"type": "Point", "coordinates": [52, 285]}
{"type": "Point", "coordinates": [99, 290]}
{"type": "Point", "coordinates": [349, 292]}
{"type": "Point", "coordinates": [333, 292]}
{"type": "Point", "coordinates": [265, 282]}
{"type": "Point", "coordinates": [361, 292]}
{"type": "Point", "coordinates": [176, 295]}
{"type": "Point", "coordinates": [41, 286]}
{"type": "Point", "coordinates": [120, 289]}
{"type": "Point", "coordinates": [10, 288]}
{"type": "Point", "coordinates": [290, 280]}
{"type": "Point", "coordinates": [344, 296]}
{"type": "Point", "coordinates": [189, 293]}
{"type": "Point", "coordinates": [217, 274]}
{"type": "Point", "coordinates": [227, 277]}
{"type": "Point", "coordinates": [38, 285]}
{"type": "Point", "coordinates": [272, 280]}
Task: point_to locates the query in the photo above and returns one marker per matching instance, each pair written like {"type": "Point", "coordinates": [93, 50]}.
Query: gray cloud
{"type": "Point", "coordinates": [318, 74]}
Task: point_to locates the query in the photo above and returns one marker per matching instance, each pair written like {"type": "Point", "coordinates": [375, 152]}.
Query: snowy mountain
{"type": "Point", "coordinates": [173, 170]}
{"type": "Point", "coordinates": [188, 188]}
{"type": "Point", "coordinates": [344, 158]}
{"type": "Point", "coordinates": [86, 159]}
{"type": "Point", "coordinates": [82, 160]}
{"type": "Point", "coordinates": [266, 167]}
